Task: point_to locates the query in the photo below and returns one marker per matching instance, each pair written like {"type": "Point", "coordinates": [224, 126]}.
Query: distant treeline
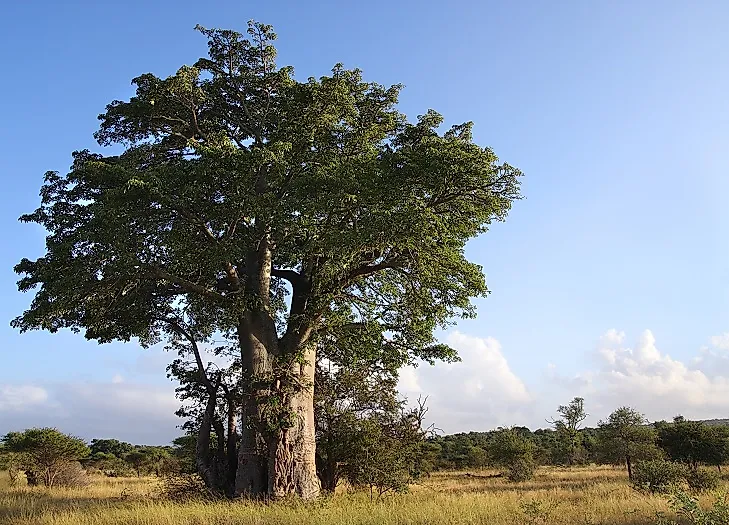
{"type": "Point", "coordinates": [684, 441]}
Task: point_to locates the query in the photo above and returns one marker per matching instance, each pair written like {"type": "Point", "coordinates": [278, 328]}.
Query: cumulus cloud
{"type": "Point", "coordinates": [138, 413]}
{"type": "Point", "coordinates": [481, 391]}
{"type": "Point", "coordinates": [642, 376]}
{"type": "Point", "coordinates": [720, 341]}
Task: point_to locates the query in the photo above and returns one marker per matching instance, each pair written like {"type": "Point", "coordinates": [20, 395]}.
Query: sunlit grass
{"type": "Point", "coordinates": [584, 496]}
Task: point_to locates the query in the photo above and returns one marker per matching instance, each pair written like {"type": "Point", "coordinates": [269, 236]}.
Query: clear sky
{"type": "Point", "coordinates": [610, 280]}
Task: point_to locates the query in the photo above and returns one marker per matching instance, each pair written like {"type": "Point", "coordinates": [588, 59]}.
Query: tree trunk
{"type": "Point", "coordinates": [630, 467]}
{"type": "Point", "coordinates": [251, 479]}
{"type": "Point", "coordinates": [232, 448]}
{"type": "Point", "coordinates": [328, 465]}
{"type": "Point", "coordinates": [292, 453]}
{"type": "Point", "coordinates": [202, 445]}
{"type": "Point", "coordinates": [286, 463]}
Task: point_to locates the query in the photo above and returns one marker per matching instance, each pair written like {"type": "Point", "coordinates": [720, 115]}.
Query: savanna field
{"type": "Point", "coordinates": [579, 495]}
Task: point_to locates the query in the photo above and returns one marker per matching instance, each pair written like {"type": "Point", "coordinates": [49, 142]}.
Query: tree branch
{"type": "Point", "coordinates": [177, 327]}
{"type": "Point", "coordinates": [291, 276]}
{"type": "Point", "coordinates": [188, 286]}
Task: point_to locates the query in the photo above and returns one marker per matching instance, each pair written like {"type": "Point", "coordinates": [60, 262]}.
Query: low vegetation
{"type": "Point", "coordinates": [556, 495]}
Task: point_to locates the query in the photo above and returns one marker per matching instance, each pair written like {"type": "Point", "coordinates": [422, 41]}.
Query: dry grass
{"type": "Point", "coordinates": [584, 496]}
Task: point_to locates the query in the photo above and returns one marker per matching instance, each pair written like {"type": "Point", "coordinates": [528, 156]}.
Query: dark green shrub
{"type": "Point", "coordinates": [702, 480]}
{"type": "Point", "coordinates": [521, 469]}
{"type": "Point", "coordinates": [514, 454]}
{"type": "Point", "coordinates": [658, 475]}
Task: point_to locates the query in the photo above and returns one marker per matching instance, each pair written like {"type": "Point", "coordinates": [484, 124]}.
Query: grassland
{"type": "Point", "coordinates": [584, 496]}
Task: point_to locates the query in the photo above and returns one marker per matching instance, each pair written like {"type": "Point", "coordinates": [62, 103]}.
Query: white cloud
{"type": "Point", "coordinates": [142, 414]}
{"type": "Point", "coordinates": [19, 397]}
{"type": "Point", "coordinates": [720, 341]}
{"type": "Point", "coordinates": [479, 392]}
{"type": "Point", "coordinates": [653, 382]}
{"type": "Point", "coordinates": [117, 379]}
{"type": "Point", "coordinates": [408, 381]}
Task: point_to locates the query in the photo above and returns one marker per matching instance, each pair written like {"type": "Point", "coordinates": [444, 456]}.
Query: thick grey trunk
{"type": "Point", "coordinates": [292, 453]}
{"type": "Point", "coordinates": [275, 462]}
{"type": "Point", "coordinates": [251, 478]}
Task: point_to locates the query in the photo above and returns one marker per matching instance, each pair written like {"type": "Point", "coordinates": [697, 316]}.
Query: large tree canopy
{"type": "Point", "coordinates": [277, 213]}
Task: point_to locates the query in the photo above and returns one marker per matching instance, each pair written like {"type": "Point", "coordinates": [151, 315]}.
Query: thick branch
{"type": "Point", "coordinates": [291, 276]}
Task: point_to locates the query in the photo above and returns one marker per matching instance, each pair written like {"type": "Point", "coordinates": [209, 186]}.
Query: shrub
{"type": "Point", "coordinates": [702, 480]}
{"type": "Point", "coordinates": [691, 513]}
{"type": "Point", "coordinates": [71, 475]}
{"type": "Point", "coordinates": [514, 454]}
{"type": "Point", "coordinates": [658, 475]}
{"type": "Point", "coordinates": [537, 511]}
{"type": "Point", "coordinates": [182, 487]}
{"type": "Point", "coordinates": [521, 469]}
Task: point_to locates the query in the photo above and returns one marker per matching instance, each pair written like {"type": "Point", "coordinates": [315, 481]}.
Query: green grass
{"type": "Point", "coordinates": [584, 496]}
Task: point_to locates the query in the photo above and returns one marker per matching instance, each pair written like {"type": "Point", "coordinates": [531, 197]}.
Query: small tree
{"type": "Point", "coordinates": [514, 453]}
{"type": "Point", "coordinates": [387, 452]}
{"type": "Point", "coordinates": [45, 452]}
{"type": "Point", "coordinates": [350, 401]}
{"type": "Point", "coordinates": [567, 427]}
{"type": "Point", "coordinates": [658, 475]}
{"type": "Point", "coordinates": [624, 437]}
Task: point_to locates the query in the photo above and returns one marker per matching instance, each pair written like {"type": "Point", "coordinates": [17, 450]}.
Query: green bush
{"type": "Point", "coordinates": [521, 469]}
{"type": "Point", "coordinates": [514, 454]}
{"type": "Point", "coordinates": [702, 480]}
{"type": "Point", "coordinates": [691, 512]}
{"type": "Point", "coordinates": [658, 475]}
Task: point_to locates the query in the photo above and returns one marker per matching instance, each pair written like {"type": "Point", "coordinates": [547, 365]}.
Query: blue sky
{"type": "Point", "coordinates": [617, 113]}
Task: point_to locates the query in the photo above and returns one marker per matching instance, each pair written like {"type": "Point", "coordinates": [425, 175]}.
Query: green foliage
{"type": "Point", "coordinates": [461, 451]}
{"type": "Point", "coordinates": [702, 480]}
{"type": "Point", "coordinates": [625, 438]}
{"type": "Point", "coordinates": [691, 513]}
{"type": "Point", "coordinates": [46, 451]}
{"type": "Point", "coordinates": [693, 443]}
{"type": "Point", "coordinates": [147, 460]}
{"type": "Point", "coordinates": [514, 453]}
{"type": "Point", "coordinates": [348, 397]}
{"type": "Point", "coordinates": [537, 511]}
{"type": "Point", "coordinates": [658, 476]}
{"type": "Point", "coordinates": [386, 451]}
{"type": "Point", "coordinates": [110, 446]}
{"type": "Point", "coordinates": [567, 427]}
